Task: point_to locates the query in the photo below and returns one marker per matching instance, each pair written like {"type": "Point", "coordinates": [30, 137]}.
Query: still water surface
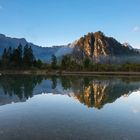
{"type": "Point", "coordinates": [69, 108]}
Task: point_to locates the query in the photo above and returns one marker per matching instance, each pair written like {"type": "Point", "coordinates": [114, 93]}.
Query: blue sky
{"type": "Point", "coordinates": [55, 22]}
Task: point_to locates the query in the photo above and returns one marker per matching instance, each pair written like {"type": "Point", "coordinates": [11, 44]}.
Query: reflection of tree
{"type": "Point", "coordinates": [54, 81]}
{"type": "Point", "coordinates": [66, 82]}
{"type": "Point", "coordinates": [22, 86]}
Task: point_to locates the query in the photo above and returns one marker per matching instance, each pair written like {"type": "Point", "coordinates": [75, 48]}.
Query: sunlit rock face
{"type": "Point", "coordinates": [101, 47]}
{"type": "Point", "coordinates": [96, 44]}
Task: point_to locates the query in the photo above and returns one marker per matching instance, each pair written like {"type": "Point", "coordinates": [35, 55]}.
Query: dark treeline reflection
{"type": "Point", "coordinates": [21, 86]}
{"type": "Point", "coordinates": [90, 91]}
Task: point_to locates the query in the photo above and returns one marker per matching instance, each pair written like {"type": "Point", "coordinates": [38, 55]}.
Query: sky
{"type": "Point", "coordinates": [58, 22]}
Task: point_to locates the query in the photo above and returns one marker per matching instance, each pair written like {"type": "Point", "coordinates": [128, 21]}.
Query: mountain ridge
{"type": "Point", "coordinates": [92, 45]}
{"type": "Point", "coordinates": [97, 44]}
{"type": "Point", "coordinates": [43, 53]}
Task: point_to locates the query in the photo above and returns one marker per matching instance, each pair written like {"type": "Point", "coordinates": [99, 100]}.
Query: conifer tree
{"type": "Point", "coordinates": [54, 62]}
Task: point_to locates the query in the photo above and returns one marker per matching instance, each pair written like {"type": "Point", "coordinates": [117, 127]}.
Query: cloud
{"type": "Point", "coordinates": [136, 29]}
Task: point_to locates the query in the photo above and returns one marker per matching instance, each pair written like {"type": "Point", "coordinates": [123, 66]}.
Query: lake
{"type": "Point", "coordinates": [69, 108]}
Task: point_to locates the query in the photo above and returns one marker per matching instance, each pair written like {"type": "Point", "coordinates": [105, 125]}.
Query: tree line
{"type": "Point", "coordinates": [19, 58]}
{"type": "Point", "coordinates": [67, 63]}
{"type": "Point", "coordinates": [23, 58]}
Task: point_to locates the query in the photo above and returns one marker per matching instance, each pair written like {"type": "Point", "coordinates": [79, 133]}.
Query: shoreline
{"type": "Point", "coordinates": [67, 73]}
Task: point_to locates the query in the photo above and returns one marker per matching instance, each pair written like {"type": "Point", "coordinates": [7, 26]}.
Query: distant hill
{"type": "Point", "coordinates": [43, 53]}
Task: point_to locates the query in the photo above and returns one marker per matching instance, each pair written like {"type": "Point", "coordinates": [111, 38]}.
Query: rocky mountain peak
{"type": "Point", "coordinates": [127, 45]}
{"type": "Point", "coordinates": [96, 44]}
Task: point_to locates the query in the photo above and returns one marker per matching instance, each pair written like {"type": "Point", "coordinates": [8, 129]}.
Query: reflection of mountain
{"type": "Point", "coordinates": [92, 92]}
{"type": "Point", "coordinates": [100, 92]}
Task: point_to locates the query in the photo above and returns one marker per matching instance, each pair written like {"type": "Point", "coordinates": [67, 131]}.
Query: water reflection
{"type": "Point", "coordinates": [90, 91]}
